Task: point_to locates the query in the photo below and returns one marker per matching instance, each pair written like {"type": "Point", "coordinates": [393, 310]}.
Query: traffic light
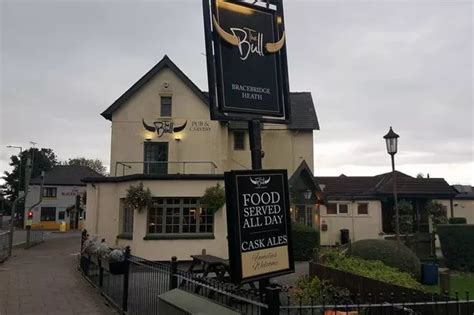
{"type": "Point", "coordinates": [30, 214]}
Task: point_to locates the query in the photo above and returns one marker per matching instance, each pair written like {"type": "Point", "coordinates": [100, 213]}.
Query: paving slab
{"type": "Point", "coordinates": [44, 280]}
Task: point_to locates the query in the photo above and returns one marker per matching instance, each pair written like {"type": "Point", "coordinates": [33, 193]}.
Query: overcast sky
{"type": "Point", "coordinates": [368, 64]}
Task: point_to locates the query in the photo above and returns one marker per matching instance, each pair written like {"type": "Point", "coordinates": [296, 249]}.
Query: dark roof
{"type": "Point", "coordinates": [303, 114]}
{"type": "Point", "coordinates": [164, 63]}
{"type": "Point", "coordinates": [464, 192]}
{"type": "Point", "coordinates": [66, 175]}
{"type": "Point", "coordinates": [379, 185]}
{"type": "Point", "coordinates": [133, 177]}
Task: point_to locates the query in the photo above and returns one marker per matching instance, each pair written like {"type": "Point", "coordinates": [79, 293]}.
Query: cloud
{"type": "Point", "coordinates": [368, 64]}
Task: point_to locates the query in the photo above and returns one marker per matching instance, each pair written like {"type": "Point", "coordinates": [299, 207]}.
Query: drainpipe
{"type": "Point", "coordinates": [452, 207]}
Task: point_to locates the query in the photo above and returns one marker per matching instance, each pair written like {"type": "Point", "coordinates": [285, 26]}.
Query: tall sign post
{"type": "Point", "coordinates": [248, 81]}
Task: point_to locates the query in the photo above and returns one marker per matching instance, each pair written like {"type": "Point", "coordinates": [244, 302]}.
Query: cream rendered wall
{"type": "Point", "coordinates": [360, 226]}
{"type": "Point", "coordinates": [129, 135]}
{"type": "Point", "coordinates": [461, 208]}
{"type": "Point", "coordinates": [107, 223]}
{"type": "Point", "coordinates": [283, 148]}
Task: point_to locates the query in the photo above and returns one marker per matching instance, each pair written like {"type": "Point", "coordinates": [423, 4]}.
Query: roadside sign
{"type": "Point", "coordinates": [258, 224]}
{"type": "Point", "coordinates": [246, 60]}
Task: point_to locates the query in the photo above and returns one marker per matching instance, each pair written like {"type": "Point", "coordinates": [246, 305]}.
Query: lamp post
{"type": "Point", "coordinates": [391, 139]}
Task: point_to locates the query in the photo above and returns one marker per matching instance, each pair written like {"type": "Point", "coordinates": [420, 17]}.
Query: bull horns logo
{"type": "Point", "coordinates": [162, 127]}
{"type": "Point", "coordinates": [235, 41]}
{"type": "Point", "coordinates": [260, 181]}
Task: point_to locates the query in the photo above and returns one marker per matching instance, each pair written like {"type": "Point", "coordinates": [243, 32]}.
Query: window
{"type": "Point", "coordinates": [179, 215]}
{"type": "Point", "coordinates": [48, 213]}
{"type": "Point", "coordinates": [239, 140]}
{"type": "Point", "coordinates": [343, 208]}
{"type": "Point", "coordinates": [337, 208]}
{"type": "Point", "coordinates": [61, 215]}
{"type": "Point", "coordinates": [127, 219]}
{"type": "Point", "coordinates": [165, 106]}
{"type": "Point", "coordinates": [331, 208]}
{"type": "Point", "coordinates": [304, 215]}
{"type": "Point", "coordinates": [362, 208]}
{"type": "Point", "coordinates": [49, 192]}
{"type": "Point", "coordinates": [156, 158]}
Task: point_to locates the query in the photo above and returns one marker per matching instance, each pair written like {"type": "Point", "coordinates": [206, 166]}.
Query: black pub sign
{"type": "Point", "coordinates": [246, 58]}
{"type": "Point", "coordinates": [258, 224]}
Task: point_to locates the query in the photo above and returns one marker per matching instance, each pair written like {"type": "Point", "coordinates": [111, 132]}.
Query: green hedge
{"type": "Point", "coordinates": [457, 245]}
{"type": "Point", "coordinates": [388, 252]}
{"type": "Point", "coordinates": [458, 220]}
{"type": "Point", "coordinates": [373, 269]}
{"type": "Point", "coordinates": [305, 240]}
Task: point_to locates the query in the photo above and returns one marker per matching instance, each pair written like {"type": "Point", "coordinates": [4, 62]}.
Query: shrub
{"type": "Point", "coordinates": [405, 217]}
{"type": "Point", "coordinates": [213, 198]}
{"type": "Point", "coordinates": [313, 291]}
{"type": "Point", "coordinates": [138, 197]}
{"type": "Point", "coordinates": [373, 269]}
{"type": "Point", "coordinates": [305, 240]}
{"type": "Point", "coordinates": [389, 253]}
{"type": "Point", "coordinates": [437, 213]}
{"type": "Point", "coordinates": [457, 220]}
{"type": "Point", "coordinates": [457, 245]}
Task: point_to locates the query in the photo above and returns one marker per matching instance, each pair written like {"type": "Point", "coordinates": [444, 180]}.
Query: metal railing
{"type": "Point", "coordinates": [4, 244]}
{"type": "Point", "coordinates": [136, 290]}
{"type": "Point", "coordinates": [378, 304]}
{"type": "Point", "coordinates": [164, 167]}
{"type": "Point", "coordinates": [34, 237]}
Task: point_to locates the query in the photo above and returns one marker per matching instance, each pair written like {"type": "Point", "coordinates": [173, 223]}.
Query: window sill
{"type": "Point", "coordinates": [149, 237]}
{"type": "Point", "coordinates": [125, 236]}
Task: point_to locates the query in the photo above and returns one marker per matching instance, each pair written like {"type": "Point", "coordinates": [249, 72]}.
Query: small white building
{"type": "Point", "coordinates": [61, 198]}
{"type": "Point", "coordinates": [364, 205]}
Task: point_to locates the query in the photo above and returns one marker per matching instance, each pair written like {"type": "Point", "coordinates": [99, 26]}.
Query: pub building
{"type": "Point", "coordinates": [162, 136]}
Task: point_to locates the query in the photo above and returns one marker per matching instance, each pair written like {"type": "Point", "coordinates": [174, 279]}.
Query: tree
{"type": "Point", "coordinates": [420, 175]}
{"type": "Point", "coordinates": [42, 160]}
{"type": "Point", "coordinates": [94, 164]}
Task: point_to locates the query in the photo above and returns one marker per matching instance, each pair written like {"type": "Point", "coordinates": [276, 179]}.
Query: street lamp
{"type": "Point", "coordinates": [391, 140]}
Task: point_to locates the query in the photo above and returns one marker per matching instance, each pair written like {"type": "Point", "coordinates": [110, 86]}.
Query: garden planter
{"type": "Point", "coordinates": [115, 268]}
{"type": "Point", "coordinates": [362, 285]}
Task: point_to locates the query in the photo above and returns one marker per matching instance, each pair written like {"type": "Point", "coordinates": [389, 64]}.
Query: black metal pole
{"type": "Point", "coordinates": [395, 197]}
{"type": "Point", "coordinates": [126, 277]}
{"type": "Point", "coordinates": [255, 140]}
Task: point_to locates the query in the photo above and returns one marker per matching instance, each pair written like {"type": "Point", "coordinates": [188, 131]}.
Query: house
{"type": "Point", "coordinates": [365, 205]}
{"type": "Point", "coordinates": [162, 136]}
{"type": "Point", "coordinates": [56, 197]}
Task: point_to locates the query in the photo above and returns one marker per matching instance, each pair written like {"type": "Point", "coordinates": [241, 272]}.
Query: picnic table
{"type": "Point", "coordinates": [211, 264]}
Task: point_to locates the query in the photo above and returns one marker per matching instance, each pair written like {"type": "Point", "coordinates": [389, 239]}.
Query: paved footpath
{"type": "Point", "coordinates": [44, 280]}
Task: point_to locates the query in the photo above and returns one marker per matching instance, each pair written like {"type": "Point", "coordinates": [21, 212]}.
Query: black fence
{"type": "Point", "coordinates": [136, 288]}
{"type": "Point", "coordinates": [382, 306]}
{"type": "Point", "coordinates": [4, 245]}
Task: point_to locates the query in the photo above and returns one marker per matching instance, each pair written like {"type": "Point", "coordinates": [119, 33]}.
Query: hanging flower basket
{"type": "Point", "coordinates": [213, 198]}
{"type": "Point", "coordinates": [138, 197]}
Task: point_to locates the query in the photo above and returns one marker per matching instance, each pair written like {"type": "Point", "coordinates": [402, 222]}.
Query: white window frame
{"type": "Point", "coordinates": [357, 209]}
{"type": "Point", "coordinates": [338, 213]}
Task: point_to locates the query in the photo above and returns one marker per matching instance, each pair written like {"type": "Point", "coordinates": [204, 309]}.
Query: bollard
{"type": "Point", "coordinates": [444, 285]}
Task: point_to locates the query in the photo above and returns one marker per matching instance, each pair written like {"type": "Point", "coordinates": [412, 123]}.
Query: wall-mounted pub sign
{"type": "Point", "coordinates": [246, 59]}
{"type": "Point", "coordinates": [259, 224]}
